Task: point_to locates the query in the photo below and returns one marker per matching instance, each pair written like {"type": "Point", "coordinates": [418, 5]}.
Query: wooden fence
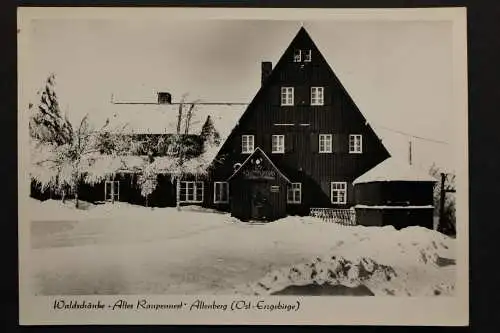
{"type": "Point", "coordinates": [340, 216]}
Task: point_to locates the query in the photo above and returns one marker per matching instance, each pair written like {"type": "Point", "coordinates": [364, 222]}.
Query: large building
{"type": "Point", "coordinates": [299, 144]}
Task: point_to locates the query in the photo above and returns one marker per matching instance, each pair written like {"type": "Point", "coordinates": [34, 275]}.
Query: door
{"type": "Point", "coordinates": [260, 205]}
{"type": "Point", "coordinates": [112, 191]}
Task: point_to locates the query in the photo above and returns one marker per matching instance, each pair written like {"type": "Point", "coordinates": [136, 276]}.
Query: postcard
{"type": "Point", "coordinates": [243, 166]}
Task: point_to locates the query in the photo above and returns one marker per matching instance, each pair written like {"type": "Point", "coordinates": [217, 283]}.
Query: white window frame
{"type": "Point", "coordinates": [297, 55]}
{"type": "Point", "coordinates": [219, 191]}
{"type": "Point", "coordinates": [317, 96]}
{"type": "Point", "coordinates": [278, 147]}
{"type": "Point", "coordinates": [338, 187]}
{"type": "Point", "coordinates": [326, 148]}
{"type": "Point", "coordinates": [247, 144]}
{"type": "Point", "coordinates": [196, 186]}
{"type": "Point", "coordinates": [355, 144]}
{"type": "Point", "coordinates": [307, 56]}
{"type": "Point", "coordinates": [114, 196]}
{"type": "Point", "coordinates": [293, 189]}
{"type": "Point", "coordinates": [287, 96]}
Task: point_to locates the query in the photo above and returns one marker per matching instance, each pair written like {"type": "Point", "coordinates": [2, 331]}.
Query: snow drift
{"type": "Point", "coordinates": [294, 255]}
{"type": "Point", "coordinates": [382, 261]}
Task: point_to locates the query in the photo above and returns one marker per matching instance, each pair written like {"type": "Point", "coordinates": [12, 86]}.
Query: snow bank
{"type": "Point", "coordinates": [414, 261]}
{"type": "Point", "coordinates": [293, 251]}
{"type": "Point", "coordinates": [55, 210]}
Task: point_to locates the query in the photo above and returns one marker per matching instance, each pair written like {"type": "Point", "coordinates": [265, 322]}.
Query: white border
{"type": "Point", "coordinates": [449, 311]}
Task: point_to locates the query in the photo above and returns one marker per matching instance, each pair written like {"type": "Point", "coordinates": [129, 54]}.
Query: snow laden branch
{"type": "Point", "coordinates": [63, 167]}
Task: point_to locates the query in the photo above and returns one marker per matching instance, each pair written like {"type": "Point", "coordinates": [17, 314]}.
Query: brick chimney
{"type": "Point", "coordinates": [164, 98]}
{"type": "Point", "coordinates": [266, 69]}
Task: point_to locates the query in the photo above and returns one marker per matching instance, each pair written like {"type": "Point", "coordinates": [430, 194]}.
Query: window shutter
{"type": "Point", "coordinates": [327, 96]}
{"type": "Point", "coordinates": [275, 97]}
{"type": "Point", "coordinates": [344, 142]}
{"type": "Point", "coordinates": [302, 95]}
{"type": "Point", "coordinates": [339, 143]}
{"type": "Point", "coordinates": [314, 140]}
{"type": "Point", "coordinates": [289, 143]}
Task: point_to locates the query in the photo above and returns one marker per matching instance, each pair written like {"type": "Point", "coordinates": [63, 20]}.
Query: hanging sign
{"type": "Point", "coordinates": [259, 174]}
{"type": "Point", "coordinates": [257, 171]}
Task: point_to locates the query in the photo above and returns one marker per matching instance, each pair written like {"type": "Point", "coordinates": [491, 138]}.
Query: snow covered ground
{"type": "Point", "coordinates": [126, 249]}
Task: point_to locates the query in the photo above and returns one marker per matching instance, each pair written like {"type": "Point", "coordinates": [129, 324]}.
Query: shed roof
{"type": "Point", "coordinates": [393, 169]}
{"type": "Point", "coordinates": [152, 118]}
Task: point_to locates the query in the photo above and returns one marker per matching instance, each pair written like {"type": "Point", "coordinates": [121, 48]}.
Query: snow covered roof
{"type": "Point", "coordinates": [393, 169]}
{"type": "Point", "coordinates": [151, 118]}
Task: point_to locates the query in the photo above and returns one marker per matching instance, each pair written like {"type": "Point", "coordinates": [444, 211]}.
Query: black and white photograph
{"type": "Point", "coordinates": [242, 160]}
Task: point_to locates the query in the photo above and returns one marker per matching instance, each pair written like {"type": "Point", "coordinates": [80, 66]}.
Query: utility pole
{"type": "Point", "coordinates": [441, 203]}
{"type": "Point", "coordinates": [409, 152]}
{"type": "Point", "coordinates": [444, 226]}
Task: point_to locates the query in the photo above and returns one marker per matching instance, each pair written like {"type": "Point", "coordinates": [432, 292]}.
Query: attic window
{"type": "Point", "coordinates": [307, 56]}
{"type": "Point", "coordinates": [297, 56]}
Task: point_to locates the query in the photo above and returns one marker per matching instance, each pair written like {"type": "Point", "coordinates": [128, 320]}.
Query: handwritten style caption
{"type": "Point", "coordinates": [144, 304]}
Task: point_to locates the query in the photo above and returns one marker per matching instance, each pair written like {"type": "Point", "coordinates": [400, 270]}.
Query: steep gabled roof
{"type": "Point", "coordinates": [301, 36]}
{"type": "Point", "coordinates": [393, 169]}
{"type": "Point", "coordinates": [263, 154]}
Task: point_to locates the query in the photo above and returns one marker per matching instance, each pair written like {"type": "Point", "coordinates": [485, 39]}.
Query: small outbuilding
{"type": "Point", "coordinates": [395, 193]}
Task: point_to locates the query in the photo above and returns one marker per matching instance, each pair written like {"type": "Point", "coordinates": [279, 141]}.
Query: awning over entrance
{"type": "Point", "coordinates": [259, 166]}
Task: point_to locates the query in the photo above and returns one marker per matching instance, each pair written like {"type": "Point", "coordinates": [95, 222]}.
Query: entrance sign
{"type": "Point", "coordinates": [259, 174]}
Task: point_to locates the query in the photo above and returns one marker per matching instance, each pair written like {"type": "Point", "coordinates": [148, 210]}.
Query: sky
{"type": "Point", "coordinates": [399, 73]}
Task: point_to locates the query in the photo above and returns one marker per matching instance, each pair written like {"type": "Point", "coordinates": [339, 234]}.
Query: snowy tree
{"type": "Point", "coordinates": [46, 123]}
{"type": "Point", "coordinates": [65, 166]}
{"type": "Point", "coordinates": [148, 180]}
{"type": "Point", "coordinates": [449, 213]}
{"type": "Point", "coordinates": [209, 134]}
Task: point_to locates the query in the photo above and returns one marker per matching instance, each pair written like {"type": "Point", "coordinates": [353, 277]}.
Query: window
{"type": "Point", "coordinates": [247, 142]}
{"type": "Point", "coordinates": [355, 144]}
{"type": "Point", "coordinates": [221, 192]}
{"type": "Point", "coordinates": [297, 56]}
{"type": "Point", "coordinates": [286, 95]}
{"type": "Point", "coordinates": [339, 192]}
{"type": "Point", "coordinates": [317, 96]}
{"type": "Point", "coordinates": [278, 144]}
{"type": "Point", "coordinates": [112, 190]}
{"type": "Point", "coordinates": [191, 192]}
{"type": "Point", "coordinates": [325, 143]}
{"type": "Point", "coordinates": [172, 149]}
{"type": "Point", "coordinates": [307, 56]}
{"type": "Point", "coordinates": [294, 195]}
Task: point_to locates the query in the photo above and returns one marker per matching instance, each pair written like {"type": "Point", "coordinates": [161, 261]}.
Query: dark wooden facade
{"type": "Point", "coordinates": [301, 124]}
{"type": "Point", "coordinates": [397, 203]}
{"type": "Point", "coordinates": [396, 193]}
{"type": "Point", "coordinates": [399, 218]}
